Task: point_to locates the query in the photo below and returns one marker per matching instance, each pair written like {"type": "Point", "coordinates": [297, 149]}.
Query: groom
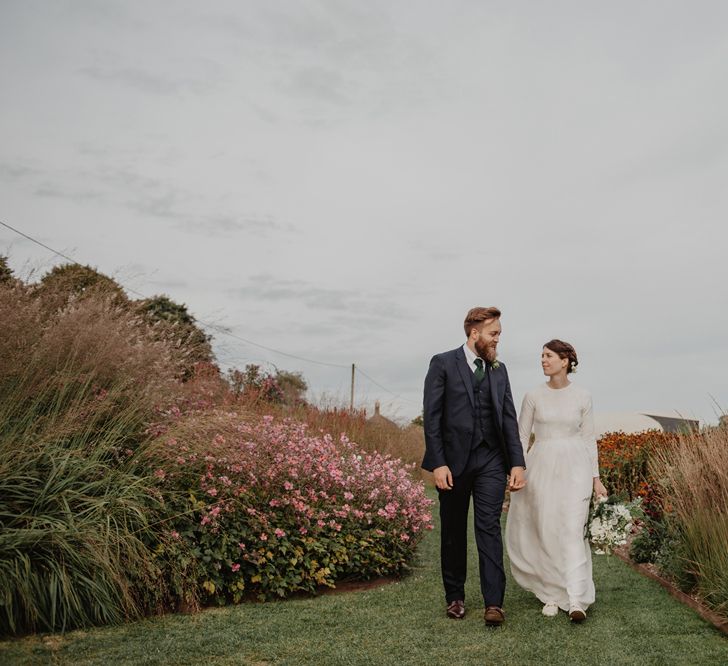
{"type": "Point", "coordinates": [472, 446]}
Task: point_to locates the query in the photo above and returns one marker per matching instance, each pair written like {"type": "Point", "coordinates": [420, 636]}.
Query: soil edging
{"type": "Point", "coordinates": [700, 608]}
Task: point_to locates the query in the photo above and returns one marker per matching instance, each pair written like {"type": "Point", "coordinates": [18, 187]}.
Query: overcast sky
{"type": "Point", "coordinates": [343, 180]}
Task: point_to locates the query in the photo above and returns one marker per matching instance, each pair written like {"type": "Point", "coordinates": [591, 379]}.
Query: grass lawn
{"type": "Point", "coordinates": [634, 621]}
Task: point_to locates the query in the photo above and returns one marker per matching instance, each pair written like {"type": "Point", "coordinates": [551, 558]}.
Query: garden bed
{"type": "Point", "coordinates": [692, 601]}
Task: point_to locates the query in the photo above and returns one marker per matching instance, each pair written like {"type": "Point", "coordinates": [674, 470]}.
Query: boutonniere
{"type": "Point", "coordinates": [494, 365]}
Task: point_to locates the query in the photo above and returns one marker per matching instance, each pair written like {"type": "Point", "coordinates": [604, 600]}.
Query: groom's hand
{"type": "Point", "coordinates": [517, 479]}
{"type": "Point", "coordinates": [443, 477]}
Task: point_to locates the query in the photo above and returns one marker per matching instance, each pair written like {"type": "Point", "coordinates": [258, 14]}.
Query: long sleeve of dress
{"type": "Point", "coordinates": [587, 432]}
{"type": "Point", "coordinates": [525, 420]}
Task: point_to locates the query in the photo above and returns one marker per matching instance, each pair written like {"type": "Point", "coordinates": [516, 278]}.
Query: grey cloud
{"type": "Point", "coordinates": [147, 196]}
{"type": "Point", "coordinates": [267, 288]}
{"type": "Point", "coordinates": [79, 196]}
{"type": "Point", "coordinates": [16, 172]}
{"type": "Point", "coordinates": [148, 82]}
{"type": "Point", "coordinates": [228, 225]}
{"type": "Point", "coordinates": [701, 152]}
{"type": "Point", "coordinates": [154, 197]}
{"type": "Point", "coordinates": [353, 306]}
{"type": "Point", "coordinates": [319, 83]}
{"type": "Point", "coordinates": [265, 114]}
{"type": "Point", "coordinates": [169, 285]}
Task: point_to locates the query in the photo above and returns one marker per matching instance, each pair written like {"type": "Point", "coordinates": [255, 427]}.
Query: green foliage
{"type": "Point", "coordinates": [293, 387]}
{"type": "Point", "coordinates": [286, 564]}
{"type": "Point", "coordinates": [254, 384]}
{"type": "Point", "coordinates": [268, 509]}
{"type": "Point", "coordinates": [68, 281]}
{"type": "Point", "coordinates": [418, 421]}
{"type": "Point", "coordinates": [77, 536]}
{"type": "Point", "coordinates": [176, 322]}
{"type": "Point", "coordinates": [646, 546]}
{"type": "Point", "coordinates": [6, 273]}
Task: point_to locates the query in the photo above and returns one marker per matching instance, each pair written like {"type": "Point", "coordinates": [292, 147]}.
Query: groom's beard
{"type": "Point", "coordinates": [486, 351]}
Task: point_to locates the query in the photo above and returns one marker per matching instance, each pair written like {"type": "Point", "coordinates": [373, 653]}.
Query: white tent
{"type": "Point", "coordinates": [627, 422]}
{"type": "Point", "coordinates": [631, 422]}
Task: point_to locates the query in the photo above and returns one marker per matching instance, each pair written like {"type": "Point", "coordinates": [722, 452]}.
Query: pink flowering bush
{"type": "Point", "coordinates": [267, 508]}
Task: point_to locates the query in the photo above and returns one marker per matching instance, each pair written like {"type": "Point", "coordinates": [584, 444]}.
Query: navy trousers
{"type": "Point", "coordinates": [484, 479]}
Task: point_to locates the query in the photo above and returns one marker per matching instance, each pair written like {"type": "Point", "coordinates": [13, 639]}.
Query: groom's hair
{"type": "Point", "coordinates": [477, 316]}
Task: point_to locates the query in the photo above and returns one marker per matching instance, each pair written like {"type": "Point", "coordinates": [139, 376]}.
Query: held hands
{"type": "Point", "coordinates": [516, 479]}
{"type": "Point", "coordinates": [599, 489]}
{"type": "Point", "coordinates": [443, 477]}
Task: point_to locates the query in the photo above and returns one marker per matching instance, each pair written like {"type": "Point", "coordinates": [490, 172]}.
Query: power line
{"type": "Point", "coordinates": [224, 331]}
{"type": "Point", "coordinates": [60, 254]}
{"type": "Point", "coordinates": [209, 325]}
{"type": "Point", "coordinates": [384, 388]}
{"type": "Point", "coordinates": [37, 242]}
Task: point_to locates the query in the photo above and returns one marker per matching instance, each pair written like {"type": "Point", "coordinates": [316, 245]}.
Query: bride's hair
{"type": "Point", "coordinates": [564, 350]}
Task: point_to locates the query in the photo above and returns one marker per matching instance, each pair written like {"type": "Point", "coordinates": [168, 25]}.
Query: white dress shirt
{"type": "Point", "coordinates": [470, 358]}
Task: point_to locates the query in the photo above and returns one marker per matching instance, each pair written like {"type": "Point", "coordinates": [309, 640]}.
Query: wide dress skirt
{"type": "Point", "coordinates": [545, 529]}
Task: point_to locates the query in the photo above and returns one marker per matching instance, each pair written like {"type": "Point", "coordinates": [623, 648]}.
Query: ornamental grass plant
{"type": "Point", "coordinates": [76, 520]}
{"type": "Point", "coordinates": [78, 386]}
{"type": "Point", "coordinates": [692, 477]}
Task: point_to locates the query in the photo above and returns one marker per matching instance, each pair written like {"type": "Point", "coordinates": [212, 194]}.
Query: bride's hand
{"type": "Point", "coordinates": [599, 489]}
{"type": "Point", "coordinates": [516, 479]}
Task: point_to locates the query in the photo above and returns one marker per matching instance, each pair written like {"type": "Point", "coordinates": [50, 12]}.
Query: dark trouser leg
{"type": "Point", "coordinates": [454, 505]}
{"type": "Point", "coordinates": [489, 485]}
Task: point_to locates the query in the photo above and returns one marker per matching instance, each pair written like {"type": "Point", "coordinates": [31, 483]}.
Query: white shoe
{"type": "Point", "coordinates": [576, 614]}
{"type": "Point", "coordinates": [550, 609]}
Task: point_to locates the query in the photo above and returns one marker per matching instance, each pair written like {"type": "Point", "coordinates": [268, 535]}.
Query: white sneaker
{"type": "Point", "coordinates": [550, 609]}
{"type": "Point", "coordinates": [576, 614]}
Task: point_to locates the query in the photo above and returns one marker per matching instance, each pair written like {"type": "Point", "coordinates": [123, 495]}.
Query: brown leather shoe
{"type": "Point", "coordinates": [576, 614]}
{"type": "Point", "coordinates": [456, 610]}
{"type": "Point", "coordinates": [494, 616]}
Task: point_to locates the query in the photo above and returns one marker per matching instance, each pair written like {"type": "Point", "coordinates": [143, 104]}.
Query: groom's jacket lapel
{"type": "Point", "coordinates": [466, 374]}
{"type": "Point", "coordinates": [497, 401]}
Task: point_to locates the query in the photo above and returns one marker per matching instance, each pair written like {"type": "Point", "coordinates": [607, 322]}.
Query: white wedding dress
{"type": "Point", "coordinates": [545, 526]}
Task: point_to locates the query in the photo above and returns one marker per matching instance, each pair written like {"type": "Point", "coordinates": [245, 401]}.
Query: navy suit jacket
{"type": "Point", "coordinates": [449, 413]}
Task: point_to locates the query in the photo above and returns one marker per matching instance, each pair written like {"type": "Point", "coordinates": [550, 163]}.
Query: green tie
{"type": "Point", "coordinates": [479, 372]}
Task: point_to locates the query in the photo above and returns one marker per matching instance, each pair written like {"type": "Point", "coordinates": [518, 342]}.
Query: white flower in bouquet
{"type": "Point", "coordinates": [610, 523]}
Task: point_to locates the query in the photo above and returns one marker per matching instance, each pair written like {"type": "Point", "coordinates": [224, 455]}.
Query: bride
{"type": "Point", "coordinates": [549, 553]}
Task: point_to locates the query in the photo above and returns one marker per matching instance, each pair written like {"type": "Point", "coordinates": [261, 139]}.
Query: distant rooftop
{"type": "Point", "coordinates": [630, 422]}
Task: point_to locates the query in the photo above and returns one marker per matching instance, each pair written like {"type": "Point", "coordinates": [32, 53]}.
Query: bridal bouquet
{"type": "Point", "coordinates": [610, 522]}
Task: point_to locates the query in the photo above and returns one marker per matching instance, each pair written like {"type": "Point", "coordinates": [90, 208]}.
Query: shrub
{"type": "Point", "coordinates": [653, 534]}
{"type": "Point", "coordinates": [623, 459]}
{"type": "Point", "coordinates": [88, 350]}
{"type": "Point", "coordinates": [172, 321]}
{"type": "Point", "coordinates": [269, 509]}
{"type": "Point", "coordinates": [6, 273]}
{"type": "Point", "coordinates": [370, 434]}
{"type": "Point", "coordinates": [693, 483]}
{"type": "Point", "coordinates": [78, 540]}
{"type": "Point", "coordinates": [73, 281]}
{"type": "Point", "coordinates": [78, 387]}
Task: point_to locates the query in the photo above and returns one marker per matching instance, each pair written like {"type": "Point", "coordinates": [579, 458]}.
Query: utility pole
{"type": "Point", "coordinates": [351, 403]}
